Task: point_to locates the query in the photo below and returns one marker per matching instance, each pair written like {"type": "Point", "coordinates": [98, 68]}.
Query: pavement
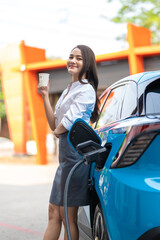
{"type": "Point", "coordinates": [24, 193]}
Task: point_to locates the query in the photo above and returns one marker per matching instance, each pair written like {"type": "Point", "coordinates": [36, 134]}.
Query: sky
{"type": "Point", "coordinates": [60, 25]}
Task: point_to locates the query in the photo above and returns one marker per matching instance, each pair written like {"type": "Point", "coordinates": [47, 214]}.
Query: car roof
{"type": "Point", "coordinates": [139, 77]}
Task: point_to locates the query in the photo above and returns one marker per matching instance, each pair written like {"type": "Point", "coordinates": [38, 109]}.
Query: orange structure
{"type": "Point", "coordinates": [19, 81]}
{"type": "Point", "coordinates": [19, 88]}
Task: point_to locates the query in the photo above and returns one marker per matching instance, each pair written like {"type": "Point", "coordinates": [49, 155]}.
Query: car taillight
{"type": "Point", "coordinates": [134, 150]}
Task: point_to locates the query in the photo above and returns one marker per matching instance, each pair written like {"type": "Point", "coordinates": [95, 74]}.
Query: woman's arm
{"type": "Point", "coordinates": [48, 109]}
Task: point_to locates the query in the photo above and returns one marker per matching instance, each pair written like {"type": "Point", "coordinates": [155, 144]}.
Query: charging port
{"type": "Point", "coordinates": [93, 152]}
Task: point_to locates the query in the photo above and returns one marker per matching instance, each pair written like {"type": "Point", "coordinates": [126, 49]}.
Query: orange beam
{"type": "Point", "coordinates": [57, 64]}
{"type": "Point", "coordinates": [137, 36]}
{"type": "Point", "coordinates": [36, 108]}
{"type": "Point", "coordinates": [46, 65]}
{"type": "Point", "coordinates": [112, 56]}
{"type": "Point", "coordinates": [37, 114]}
{"type": "Point", "coordinates": [147, 50]}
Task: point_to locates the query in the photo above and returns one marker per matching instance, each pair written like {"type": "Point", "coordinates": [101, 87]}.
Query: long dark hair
{"type": "Point", "coordinates": [90, 70]}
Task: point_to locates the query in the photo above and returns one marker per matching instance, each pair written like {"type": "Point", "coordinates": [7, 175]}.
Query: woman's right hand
{"type": "Point", "coordinates": [43, 91]}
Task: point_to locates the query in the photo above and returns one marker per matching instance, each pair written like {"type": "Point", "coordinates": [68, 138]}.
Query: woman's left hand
{"type": "Point", "coordinates": [55, 134]}
{"type": "Point", "coordinates": [59, 130]}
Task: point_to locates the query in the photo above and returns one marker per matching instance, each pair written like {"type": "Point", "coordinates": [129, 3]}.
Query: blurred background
{"type": "Point", "coordinates": [59, 25]}
{"type": "Point", "coordinates": [50, 29]}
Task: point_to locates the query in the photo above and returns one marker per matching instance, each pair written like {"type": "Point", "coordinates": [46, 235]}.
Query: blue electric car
{"type": "Point", "coordinates": [124, 153]}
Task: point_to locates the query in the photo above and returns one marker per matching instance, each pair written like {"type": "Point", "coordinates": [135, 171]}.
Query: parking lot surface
{"type": "Point", "coordinates": [24, 190]}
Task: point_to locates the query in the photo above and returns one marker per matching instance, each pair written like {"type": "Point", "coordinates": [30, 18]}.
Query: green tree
{"type": "Point", "coordinates": [145, 13]}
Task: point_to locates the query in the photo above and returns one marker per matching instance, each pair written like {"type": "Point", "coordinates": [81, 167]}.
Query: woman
{"type": "Point", "coordinates": [79, 100]}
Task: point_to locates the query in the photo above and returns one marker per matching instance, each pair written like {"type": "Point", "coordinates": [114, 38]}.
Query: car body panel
{"type": "Point", "coordinates": [129, 195]}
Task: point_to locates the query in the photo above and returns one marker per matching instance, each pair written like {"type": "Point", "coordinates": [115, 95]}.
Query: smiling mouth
{"type": "Point", "coordinates": [72, 66]}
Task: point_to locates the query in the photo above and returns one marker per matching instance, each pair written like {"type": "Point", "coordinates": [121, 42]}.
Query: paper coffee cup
{"type": "Point", "coordinates": [43, 79]}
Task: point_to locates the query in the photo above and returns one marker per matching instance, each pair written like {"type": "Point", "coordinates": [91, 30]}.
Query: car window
{"type": "Point", "coordinates": [130, 100]}
{"type": "Point", "coordinates": [153, 98]}
{"type": "Point", "coordinates": [112, 107]}
{"type": "Point", "coordinates": [102, 100]}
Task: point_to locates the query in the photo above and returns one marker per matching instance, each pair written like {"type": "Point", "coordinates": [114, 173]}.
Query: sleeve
{"type": "Point", "coordinates": [81, 107]}
{"type": "Point", "coordinates": [60, 100]}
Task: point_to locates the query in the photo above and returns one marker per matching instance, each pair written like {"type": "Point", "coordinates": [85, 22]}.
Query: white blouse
{"type": "Point", "coordinates": [78, 103]}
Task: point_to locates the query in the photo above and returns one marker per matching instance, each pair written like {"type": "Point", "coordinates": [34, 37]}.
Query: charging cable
{"type": "Point", "coordinates": [66, 196]}
{"type": "Point", "coordinates": [95, 155]}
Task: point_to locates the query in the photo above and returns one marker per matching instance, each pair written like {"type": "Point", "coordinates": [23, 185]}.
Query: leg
{"type": "Point", "coordinates": [54, 224]}
{"type": "Point", "coordinates": [72, 217]}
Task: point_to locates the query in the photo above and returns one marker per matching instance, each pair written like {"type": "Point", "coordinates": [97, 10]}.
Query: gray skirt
{"type": "Point", "coordinates": [78, 192]}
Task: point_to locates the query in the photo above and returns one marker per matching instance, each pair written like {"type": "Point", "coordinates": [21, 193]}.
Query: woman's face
{"type": "Point", "coordinates": [75, 62]}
